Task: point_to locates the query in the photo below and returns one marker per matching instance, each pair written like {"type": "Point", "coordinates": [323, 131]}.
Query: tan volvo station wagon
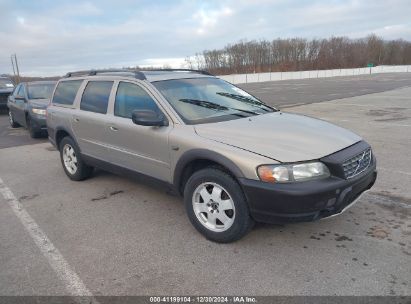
{"type": "Point", "coordinates": [234, 159]}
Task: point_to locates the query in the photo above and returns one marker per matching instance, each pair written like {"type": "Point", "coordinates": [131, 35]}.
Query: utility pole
{"type": "Point", "coordinates": [14, 56]}
{"type": "Point", "coordinates": [14, 71]}
{"type": "Point", "coordinates": [17, 66]}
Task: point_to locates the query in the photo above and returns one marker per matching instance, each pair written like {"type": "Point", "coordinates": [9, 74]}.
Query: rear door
{"type": "Point", "coordinates": [60, 113]}
{"type": "Point", "coordinates": [140, 148]}
{"type": "Point", "coordinates": [89, 122]}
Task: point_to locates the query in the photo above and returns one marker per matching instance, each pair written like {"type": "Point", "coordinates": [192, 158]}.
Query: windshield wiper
{"type": "Point", "coordinates": [246, 100]}
{"type": "Point", "coordinates": [215, 106]}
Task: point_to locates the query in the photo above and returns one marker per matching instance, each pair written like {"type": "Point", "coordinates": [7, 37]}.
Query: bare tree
{"type": "Point", "coordinates": [298, 54]}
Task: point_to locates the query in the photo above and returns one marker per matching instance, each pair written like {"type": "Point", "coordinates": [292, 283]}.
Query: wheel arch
{"type": "Point", "coordinates": [60, 133]}
{"type": "Point", "coordinates": [197, 159]}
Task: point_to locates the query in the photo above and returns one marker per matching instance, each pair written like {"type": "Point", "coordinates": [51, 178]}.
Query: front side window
{"type": "Point", "coordinates": [206, 99]}
{"type": "Point", "coordinates": [16, 90]}
{"type": "Point", "coordinates": [96, 95]}
{"type": "Point", "coordinates": [21, 91]}
{"type": "Point", "coordinates": [40, 90]}
{"type": "Point", "coordinates": [132, 97]}
{"type": "Point", "coordinates": [66, 92]}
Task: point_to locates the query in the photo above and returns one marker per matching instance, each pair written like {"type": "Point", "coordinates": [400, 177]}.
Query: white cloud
{"type": "Point", "coordinates": [395, 31]}
{"type": "Point", "coordinates": [208, 19]}
{"type": "Point", "coordinates": [174, 63]}
{"type": "Point", "coordinates": [21, 20]}
{"type": "Point", "coordinates": [81, 9]}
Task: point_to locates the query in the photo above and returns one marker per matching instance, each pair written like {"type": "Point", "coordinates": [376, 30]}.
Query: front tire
{"type": "Point", "coordinates": [33, 132]}
{"type": "Point", "coordinates": [12, 122]}
{"type": "Point", "coordinates": [216, 206]}
{"type": "Point", "coordinates": [73, 165]}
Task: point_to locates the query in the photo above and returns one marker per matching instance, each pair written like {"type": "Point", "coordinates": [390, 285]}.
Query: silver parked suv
{"type": "Point", "coordinates": [234, 159]}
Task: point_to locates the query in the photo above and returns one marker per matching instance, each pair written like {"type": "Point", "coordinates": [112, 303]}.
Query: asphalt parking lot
{"type": "Point", "coordinates": [14, 137]}
{"type": "Point", "coordinates": [296, 92]}
{"type": "Point", "coordinates": [125, 237]}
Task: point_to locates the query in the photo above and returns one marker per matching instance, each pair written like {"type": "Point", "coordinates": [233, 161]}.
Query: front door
{"type": "Point", "coordinates": [140, 148]}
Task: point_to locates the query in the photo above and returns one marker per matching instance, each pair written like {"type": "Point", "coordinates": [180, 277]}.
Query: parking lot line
{"type": "Point", "coordinates": [73, 284]}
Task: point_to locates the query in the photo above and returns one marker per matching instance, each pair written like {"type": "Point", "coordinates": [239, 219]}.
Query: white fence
{"type": "Point", "coordinates": [276, 76]}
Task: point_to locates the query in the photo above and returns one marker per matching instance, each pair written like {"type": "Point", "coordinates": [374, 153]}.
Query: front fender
{"type": "Point", "coordinates": [203, 154]}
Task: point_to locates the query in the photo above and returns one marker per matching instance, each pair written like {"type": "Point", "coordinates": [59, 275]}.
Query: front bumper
{"type": "Point", "coordinates": [39, 122]}
{"type": "Point", "coordinates": [305, 201]}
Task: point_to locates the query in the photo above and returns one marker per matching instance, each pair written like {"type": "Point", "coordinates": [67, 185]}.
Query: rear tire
{"type": "Point", "coordinates": [216, 206]}
{"type": "Point", "coordinates": [73, 165]}
{"type": "Point", "coordinates": [13, 124]}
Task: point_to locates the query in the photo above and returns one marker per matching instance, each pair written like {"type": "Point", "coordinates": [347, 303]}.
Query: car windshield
{"type": "Point", "coordinates": [6, 84]}
{"type": "Point", "coordinates": [206, 99]}
{"type": "Point", "coordinates": [40, 90]}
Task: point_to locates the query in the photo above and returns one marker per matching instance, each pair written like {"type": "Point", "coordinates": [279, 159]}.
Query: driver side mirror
{"type": "Point", "coordinates": [149, 118]}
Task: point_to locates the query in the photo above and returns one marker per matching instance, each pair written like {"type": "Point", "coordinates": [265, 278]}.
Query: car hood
{"type": "Point", "coordinates": [6, 90]}
{"type": "Point", "coordinates": [39, 103]}
{"type": "Point", "coordinates": [281, 136]}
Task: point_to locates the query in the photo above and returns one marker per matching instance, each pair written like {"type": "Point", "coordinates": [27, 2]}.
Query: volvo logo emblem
{"type": "Point", "coordinates": [362, 162]}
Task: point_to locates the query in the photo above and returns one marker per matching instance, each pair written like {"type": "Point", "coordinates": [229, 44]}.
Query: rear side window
{"type": "Point", "coordinates": [132, 97]}
{"type": "Point", "coordinates": [95, 96]}
{"type": "Point", "coordinates": [66, 92]}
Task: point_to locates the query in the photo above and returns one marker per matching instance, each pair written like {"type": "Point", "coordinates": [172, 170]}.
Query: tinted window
{"type": "Point", "coordinates": [66, 92]}
{"type": "Point", "coordinates": [40, 90]}
{"type": "Point", "coordinates": [95, 96]}
{"type": "Point", "coordinates": [132, 97]}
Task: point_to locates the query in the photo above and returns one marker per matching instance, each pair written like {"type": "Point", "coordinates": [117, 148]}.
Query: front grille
{"type": "Point", "coordinates": [357, 164]}
{"type": "Point", "coordinates": [3, 97]}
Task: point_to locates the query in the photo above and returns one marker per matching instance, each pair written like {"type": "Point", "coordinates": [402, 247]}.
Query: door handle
{"type": "Point", "coordinates": [76, 119]}
{"type": "Point", "coordinates": [112, 128]}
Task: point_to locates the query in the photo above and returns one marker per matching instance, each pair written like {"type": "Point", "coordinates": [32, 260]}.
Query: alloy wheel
{"type": "Point", "coordinates": [213, 207]}
{"type": "Point", "coordinates": [11, 120]}
{"type": "Point", "coordinates": [70, 159]}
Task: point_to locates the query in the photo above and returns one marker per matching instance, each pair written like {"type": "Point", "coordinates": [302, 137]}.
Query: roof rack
{"type": "Point", "coordinates": [134, 73]}
{"type": "Point", "coordinates": [179, 70]}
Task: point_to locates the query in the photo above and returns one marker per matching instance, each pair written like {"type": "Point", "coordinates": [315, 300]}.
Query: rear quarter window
{"type": "Point", "coordinates": [96, 95]}
{"type": "Point", "coordinates": [66, 92]}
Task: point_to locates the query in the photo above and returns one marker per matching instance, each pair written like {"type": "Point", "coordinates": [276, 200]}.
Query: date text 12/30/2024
{"type": "Point", "coordinates": [203, 299]}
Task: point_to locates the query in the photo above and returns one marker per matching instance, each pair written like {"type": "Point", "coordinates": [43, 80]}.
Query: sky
{"type": "Point", "coordinates": [53, 37]}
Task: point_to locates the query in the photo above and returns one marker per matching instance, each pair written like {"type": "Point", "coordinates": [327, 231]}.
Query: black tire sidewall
{"type": "Point", "coordinates": [14, 123]}
{"type": "Point", "coordinates": [32, 131]}
{"type": "Point", "coordinates": [242, 222]}
{"type": "Point", "coordinates": [83, 171]}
